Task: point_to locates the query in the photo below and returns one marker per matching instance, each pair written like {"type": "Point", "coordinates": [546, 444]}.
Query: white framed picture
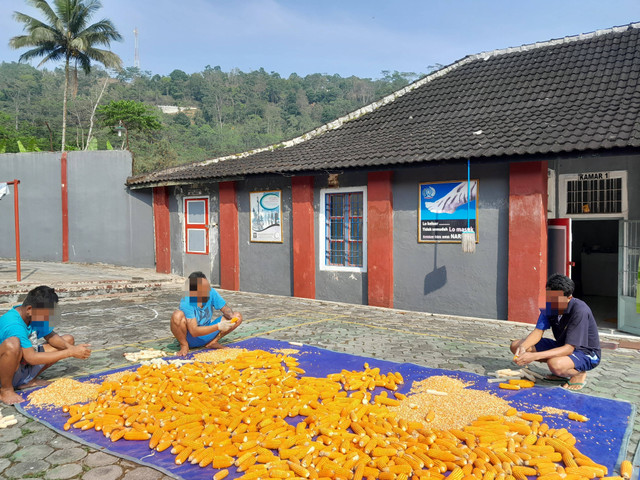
{"type": "Point", "coordinates": [266, 216]}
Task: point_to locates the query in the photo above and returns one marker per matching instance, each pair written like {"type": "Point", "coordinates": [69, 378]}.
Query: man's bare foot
{"type": "Point", "coordinates": [10, 397]}
{"type": "Point", "coordinates": [577, 382]}
{"type": "Point", "coordinates": [214, 344]}
{"type": "Point", "coordinates": [36, 382]}
{"type": "Point", "coordinates": [184, 349]}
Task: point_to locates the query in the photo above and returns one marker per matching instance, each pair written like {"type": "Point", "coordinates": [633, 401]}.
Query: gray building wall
{"type": "Point", "coordinates": [438, 277]}
{"type": "Point", "coordinates": [40, 206]}
{"type": "Point", "coordinates": [107, 222]}
{"type": "Point", "coordinates": [348, 287]}
{"type": "Point", "coordinates": [183, 263]}
{"type": "Point", "coordinates": [265, 267]}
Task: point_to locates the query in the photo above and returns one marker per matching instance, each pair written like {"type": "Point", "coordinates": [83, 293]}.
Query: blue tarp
{"type": "Point", "coordinates": [604, 437]}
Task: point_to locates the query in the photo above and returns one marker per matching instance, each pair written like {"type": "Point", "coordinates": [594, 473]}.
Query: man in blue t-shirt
{"type": "Point", "coordinates": [576, 348]}
{"type": "Point", "coordinates": [20, 360]}
{"type": "Point", "coordinates": [194, 325]}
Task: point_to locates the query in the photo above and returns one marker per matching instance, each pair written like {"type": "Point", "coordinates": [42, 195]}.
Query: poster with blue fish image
{"type": "Point", "coordinates": [444, 208]}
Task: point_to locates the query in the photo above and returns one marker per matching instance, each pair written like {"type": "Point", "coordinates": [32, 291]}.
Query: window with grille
{"type": "Point", "coordinates": [601, 194]}
{"type": "Point", "coordinates": [343, 229]}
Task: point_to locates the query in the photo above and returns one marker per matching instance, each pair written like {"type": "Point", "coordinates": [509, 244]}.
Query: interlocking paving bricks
{"type": "Point", "coordinates": [62, 472]}
{"type": "Point", "coordinates": [99, 459]}
{"type": "Point", "coordinates": [26, 469]}
{"type": "Point", "coordinates": [143, 473]}
{"type": "Point", "coordinates": [32, 452]}
{"type": "Point", "coordinates": [108, 472]}
{"type": "Point", "coordinates": [68, 455]}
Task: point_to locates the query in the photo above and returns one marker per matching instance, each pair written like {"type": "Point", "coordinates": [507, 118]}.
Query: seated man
{"type": "Point", "coordinates": [576, 348]}
{"type": "Point", "coordinates": [20, 360]}
{"type": "Point", "coordinates": [193, 324]}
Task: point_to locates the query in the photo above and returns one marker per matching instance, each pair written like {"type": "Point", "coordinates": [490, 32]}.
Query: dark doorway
{"type": "Point", "coordinates": [595, 253]}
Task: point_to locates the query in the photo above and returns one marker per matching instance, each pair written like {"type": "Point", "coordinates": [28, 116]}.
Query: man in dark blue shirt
{"type": "Point", "coordinates": [576, 348]}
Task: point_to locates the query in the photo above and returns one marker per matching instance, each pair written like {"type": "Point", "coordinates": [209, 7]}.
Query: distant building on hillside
{"type": "Point", "coordinates": [172, 109]}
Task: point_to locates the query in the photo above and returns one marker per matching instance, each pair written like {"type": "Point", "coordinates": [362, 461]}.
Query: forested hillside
{"type": "Point", "coordinates": [223, 112]}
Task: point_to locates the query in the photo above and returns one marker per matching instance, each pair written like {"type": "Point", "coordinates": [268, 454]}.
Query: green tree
{"type": "Point", "coordinates": [68, 36]}
{"type": "Point", "coordinates": [132, 115]}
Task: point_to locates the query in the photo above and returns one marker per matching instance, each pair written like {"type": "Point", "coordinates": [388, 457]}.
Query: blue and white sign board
{"type": "Point", "coordinates": [266, 216]}
{"type": "Point", "coordinates": [443, 210]}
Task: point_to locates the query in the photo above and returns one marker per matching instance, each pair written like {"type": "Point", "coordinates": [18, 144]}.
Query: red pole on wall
{"type": "Point", "coordinates": [16, 217]}
{"type": "Point", "coordinates": [65, 208]}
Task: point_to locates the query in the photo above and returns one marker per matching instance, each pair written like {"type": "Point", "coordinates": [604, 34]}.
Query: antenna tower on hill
{"type": "Point", "coordinates": [136, 57]}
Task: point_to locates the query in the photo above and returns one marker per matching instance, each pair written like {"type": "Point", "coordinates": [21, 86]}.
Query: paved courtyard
{"type": "Point", "coordinates": [127, 322]}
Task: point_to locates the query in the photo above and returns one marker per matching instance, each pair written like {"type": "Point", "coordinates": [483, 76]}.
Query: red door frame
{"type": "Point", "coordinates": [196, 226]}
{"type": "Point", "coordinates": [566, 224]}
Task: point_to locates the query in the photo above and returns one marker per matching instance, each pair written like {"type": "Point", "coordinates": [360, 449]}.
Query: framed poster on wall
{"type": "Point", "coordinates": [443, 208]}
{"type": "Point", "coordinates": [266, 216]}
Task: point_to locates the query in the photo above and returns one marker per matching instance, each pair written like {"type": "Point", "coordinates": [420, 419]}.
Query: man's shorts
{"type": "Point", "coordinates": [26, 372]}
{"type": "Point", "coordinates": [581, 361]}
{"type": "Point", "coordinates": [195, 342]}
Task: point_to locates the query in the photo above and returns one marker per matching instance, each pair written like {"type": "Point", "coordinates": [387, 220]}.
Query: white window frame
{"type": "Point", "coordinates": [564, 178]}
{"type": "Point", "coordinates": [323, 228]}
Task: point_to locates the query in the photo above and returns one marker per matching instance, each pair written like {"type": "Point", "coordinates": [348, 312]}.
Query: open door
{"type": "Point", "coordinates": [559, 246]}
{"type": "Point", "coordinates": [629, 277]}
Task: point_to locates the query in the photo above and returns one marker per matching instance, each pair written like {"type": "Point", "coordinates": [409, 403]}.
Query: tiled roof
{"type": "Point", "coordinates": [573, 94]}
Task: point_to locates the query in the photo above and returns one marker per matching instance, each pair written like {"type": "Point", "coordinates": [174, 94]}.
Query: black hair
{"type": "Point", "coordinates": [41, 297]}
{"type": "Point", "coordinates": [561, 282]}
{"type": "Point", "coordinates": [193, 280]}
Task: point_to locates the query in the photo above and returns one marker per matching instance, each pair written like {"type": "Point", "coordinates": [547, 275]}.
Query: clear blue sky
{"type": "Point", "coordinates": [347, 37]}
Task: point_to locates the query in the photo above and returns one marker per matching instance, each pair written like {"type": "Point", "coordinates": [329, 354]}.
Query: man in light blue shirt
{"type": "Point", "coordinates": [20, 360]}
{"type": "Point", "coordinates": [194, 325]}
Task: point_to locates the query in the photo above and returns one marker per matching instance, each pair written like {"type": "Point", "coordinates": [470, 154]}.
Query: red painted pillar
{"type": "Point", "coordinates": [527, 240]}
{"type": "Point", "coordinates": [229, 247]}
{"type": "Point", "coordinates": [65, 207]}
{"type": "Point", "coordinates": [380, 239]}
{"type": "Point", "coordinates": [304, 256]}
{"type": "Point", "coordinates": [162, 228]}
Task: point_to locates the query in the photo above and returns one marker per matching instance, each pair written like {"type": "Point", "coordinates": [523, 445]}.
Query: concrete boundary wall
{"type": "Point", "coordinates": [108, 223]}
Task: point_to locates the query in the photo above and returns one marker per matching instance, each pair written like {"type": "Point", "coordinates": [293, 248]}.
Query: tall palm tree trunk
{"type": "Point", "coordinates": [64, 105]}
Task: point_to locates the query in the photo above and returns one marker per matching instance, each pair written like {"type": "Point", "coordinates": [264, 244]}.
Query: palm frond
{"type": "Point", "coordinates": [40, 51]}
{"type": "Point", "coordinates": [45, 8]}
{"type": "Point", "coordinates": [106, 57]}
{"type": "Point", "coordinates": [55, 55]}
{"type": "Point", "coordinates": [102, 32]}
{"type": "Point", "coordinates": [84, 61]}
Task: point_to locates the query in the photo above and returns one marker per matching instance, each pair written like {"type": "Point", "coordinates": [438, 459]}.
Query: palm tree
{"type": "Point", "coordinates": [67, 36]}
